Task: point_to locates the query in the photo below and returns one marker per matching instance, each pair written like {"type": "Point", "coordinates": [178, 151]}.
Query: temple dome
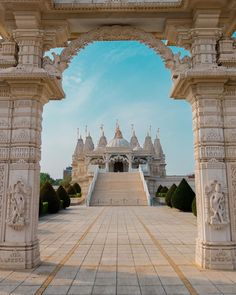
{"type": "Point", "coordinates": [118, 140]}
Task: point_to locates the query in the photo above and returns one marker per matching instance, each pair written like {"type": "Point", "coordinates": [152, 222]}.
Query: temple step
{"type": "Point", "coordinates": [119, 189]}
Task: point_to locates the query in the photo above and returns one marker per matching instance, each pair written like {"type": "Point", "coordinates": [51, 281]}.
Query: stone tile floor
{"type": "Point", "coordinates": [119, 250]}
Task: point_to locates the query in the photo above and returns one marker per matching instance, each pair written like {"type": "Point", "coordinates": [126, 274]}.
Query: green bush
{"type": "Point", "coordinates": [194, 207]}
{"type": "Point", "coordinates": [162, 195]}
{"type": "Point", "coordinates": [48, 194]}
{"type": "Point", "coordinates": [71, 190]}
{"type": "Point", "coordinates": [164, 190]}
{"type": "Point", "coordinates": [79, 195]}
{"type": "Point", "coordinates": [40, 207]}
{"type": "Point", "coordinates": [63, 195]}
{"type": "Point", "coordinates": [45, 208]}
{"type": "Point", "coordinates": [183, 197]}
{"type": "Point", "coordinates": [77, 188]}
{"type": "Point", "coordinates": [159, 190]}
{"type": "Point", "coordinates": [169, 195]}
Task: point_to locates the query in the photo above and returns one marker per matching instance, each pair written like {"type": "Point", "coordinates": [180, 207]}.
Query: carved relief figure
{"type": "Point", "coordinates": [17, 206]}
{"type": "Point", "coordinates": [217, 205]}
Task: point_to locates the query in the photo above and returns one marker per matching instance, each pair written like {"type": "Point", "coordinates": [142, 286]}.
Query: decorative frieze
{"type": "Point", "coordinates": [212, 152]}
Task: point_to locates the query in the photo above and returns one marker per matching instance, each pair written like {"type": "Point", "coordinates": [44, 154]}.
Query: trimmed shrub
{"type": "Point", "coordinates": [169, 194]}
{"type": "Point", "coordinates": [77, 188]}
{"type": "Point", "coordinates": [40, 207]}
{"type": "Point", "coordinates": [194, 207]}
{"type": "Point", "coordinates": [48, 194]}
{"type": "Point", "coordinates": [63, 195]}
{"type": "Point", "coordinates": [45, 208]}
{"type": "Point", "coordinates": [159, 190]}
{"type": "Point", "coordinates": [183, 197]}
{"type": "Point", "coordinates": [164, 190]}
{"type": "Point", "coordinates": [71, 190]}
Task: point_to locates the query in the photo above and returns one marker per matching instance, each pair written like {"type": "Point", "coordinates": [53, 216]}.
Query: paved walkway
{"type": "Point", "coordinates": [119, 250]}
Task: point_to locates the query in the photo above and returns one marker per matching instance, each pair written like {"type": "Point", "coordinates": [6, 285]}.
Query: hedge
{"type": "Point", "coordinates": [63, 196]}
{"type": "Point", "coordinates": [194, 207]}
{"type": "Point", "coordinates": [48, 194]}
{"type": "Point", "coordinates": [77, 188]}
{"type": "Point", "coordinates": [183, 197]}
{"type": "Point", "coordinates": [169, 195]}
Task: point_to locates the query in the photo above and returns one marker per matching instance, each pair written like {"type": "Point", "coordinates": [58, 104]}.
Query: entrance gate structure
{"type": "Point", "coordinates": [206, 79]}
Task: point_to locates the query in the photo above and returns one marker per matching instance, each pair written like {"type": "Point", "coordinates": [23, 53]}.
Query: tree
{"type": "Point", "coordinates": [45, 177]}
{"type": "Point", "coordinates": [169, 194]}
{"type": "Point", "coordinates": [183, 197]}
{"type": "Point", "coordinates": [77, 188]}
{"type": "Point", "coordinates": [65, 182]}
{"type": "Point", "coordinates": [159, 190]}
{"type": "Point", "coordinates": [48, 194]}
{"type": "Point", "coordinates": [164, 190]}
{"type": "Point", "coordinates": [63, 195]}
{"type": "Point", "coordinates": [71, 191]}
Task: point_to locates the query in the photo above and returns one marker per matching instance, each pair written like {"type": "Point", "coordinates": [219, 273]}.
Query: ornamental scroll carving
{"type": "Point", "coordinates": [54, 67]}
{"type": "Point", "coordinates": [217, 205]}
{"type": "Point", "coordinates": [111, 33]}
{"type": "Point", "coordinates": [17, 211]}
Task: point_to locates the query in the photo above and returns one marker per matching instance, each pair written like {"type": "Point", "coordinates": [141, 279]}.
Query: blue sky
{"type": "Point", "coordinates": [121, 80]}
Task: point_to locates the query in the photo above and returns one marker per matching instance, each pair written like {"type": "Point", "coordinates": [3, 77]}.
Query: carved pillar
{"type": "Point", "coordinates": [20, 128]}
{"type": "Point", "coordinates": [215, 248]}
{"type": "Point", "coordinates": [30, 47]}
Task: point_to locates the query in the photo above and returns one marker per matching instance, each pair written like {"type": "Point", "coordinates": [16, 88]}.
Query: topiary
{"type": "Point", "coordinates": [63, 195]}
{"type": "Point", "coordinates": [77, 188]}
{"type": "Point", "coordinates": [183, 197]}
{"type": "Point", "coordinates": [40, 207]}
{"type": "Point", "coordinates": [48, 194]}
{"type": "Point", "coordinates": [159, 190]}
{"type": "Point", "coordinates": [71, 190]}
{"type": "Point", "coordinates": [169, 194]}
{"type": "Point", "coordinates": [194, 207]}
{"type": "Point", "coordinates": [164, 190]}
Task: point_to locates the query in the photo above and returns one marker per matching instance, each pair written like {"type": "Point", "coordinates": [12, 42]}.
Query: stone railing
{"type": "Point", "coordinates": [145, 187]}
{"type": "Point", "coordinates": [92, 185]}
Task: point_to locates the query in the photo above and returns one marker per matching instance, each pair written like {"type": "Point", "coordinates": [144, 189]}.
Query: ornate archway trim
{"type": "Point", "coordinates": [115, 33]}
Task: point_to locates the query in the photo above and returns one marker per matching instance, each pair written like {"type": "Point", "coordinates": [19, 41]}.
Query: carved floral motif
{"type": "Point", "coordinates": [217, 205]}
{"type": "Point", "coordinates": [17, 205]}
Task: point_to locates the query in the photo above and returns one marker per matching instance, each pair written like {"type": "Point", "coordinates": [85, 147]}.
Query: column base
{"type": "Point", "coordinates": [218, 256]}
{"type": "Point", "coordinates": [15, 256]}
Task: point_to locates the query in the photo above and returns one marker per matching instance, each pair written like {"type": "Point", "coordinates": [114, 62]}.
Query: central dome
{"type": "Point", "coordinates": [118, 140]}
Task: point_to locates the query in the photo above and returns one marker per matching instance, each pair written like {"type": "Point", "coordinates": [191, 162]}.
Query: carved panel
{"type": "Point", "coordinates": [2, 188]}
{"type": "Point", "coordinates": [212, 152]}
{"type": "Point", "coordinates": [217, 205]}
{"type": "Point", "coordinates": [18, 205]}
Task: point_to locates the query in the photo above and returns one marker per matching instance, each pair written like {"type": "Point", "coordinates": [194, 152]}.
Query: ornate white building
{"type": "Point", "coordinates": [119, 155]}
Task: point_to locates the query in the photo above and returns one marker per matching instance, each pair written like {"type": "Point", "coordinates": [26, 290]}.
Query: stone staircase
{"type": "Point", "coordinates": [119, 189]}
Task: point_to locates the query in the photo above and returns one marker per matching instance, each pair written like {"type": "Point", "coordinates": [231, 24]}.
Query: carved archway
{"type": "Point", "coordinates": [115, 33]}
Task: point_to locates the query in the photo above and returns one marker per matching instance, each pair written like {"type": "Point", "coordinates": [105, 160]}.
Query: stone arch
{"type": "Point", "coordinates": [115, 33]}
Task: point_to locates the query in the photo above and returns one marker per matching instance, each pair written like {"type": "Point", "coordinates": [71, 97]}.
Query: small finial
{"type": "Point", "coordinates": [86, 130]}
{"type": "Point", "coordinates": [132, 129]}
{"type": "Point", "coordinates": [117, 124]}
{"type": "Point", "coordinates": [102, 129]}
{"type": "Point", "coordinates": [158, 133]}
{"type": "Point", "coordinates": [150, 130]}
{"type": "Point", "coordinates": [77, 133]}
